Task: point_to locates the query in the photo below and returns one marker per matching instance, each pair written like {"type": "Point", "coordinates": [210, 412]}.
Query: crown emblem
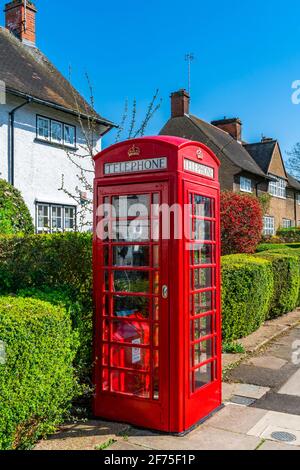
{"type": "Point", "coordinates": [200, 154]}
{"type": "Point", "coordinates": [134, 151]}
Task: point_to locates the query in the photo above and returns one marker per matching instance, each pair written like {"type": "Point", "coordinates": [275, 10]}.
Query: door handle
{"type": "Point", "coordinates": [165, 292]}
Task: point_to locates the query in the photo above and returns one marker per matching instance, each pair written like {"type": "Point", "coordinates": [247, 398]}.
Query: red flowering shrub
{"type": "Point", "coordinates": [241, 223]}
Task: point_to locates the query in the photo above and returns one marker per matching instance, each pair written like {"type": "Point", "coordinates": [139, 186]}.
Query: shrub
{"type": "Point", "coordinates": [14, 214]}
{"type": "Point", "coordinates": [286, 274]}
{"type": "Point", "coordinates": [247, 290]}
{"type": "Point", "coordinates": [81, 315]}
{"type": "Point", "coordinates": [241, 223]}
{"type": "Point", "coordinates": [289, 235]}
{"type": "Point", "coordinates": [37, 380]}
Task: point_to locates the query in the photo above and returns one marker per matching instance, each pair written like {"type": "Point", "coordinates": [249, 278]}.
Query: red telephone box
{"type": "Point", "coordinates": [157, 341]}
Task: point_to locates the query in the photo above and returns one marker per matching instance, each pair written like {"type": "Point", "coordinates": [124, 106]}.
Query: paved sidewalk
{"type": "Point", "coordinates": [262, 408]}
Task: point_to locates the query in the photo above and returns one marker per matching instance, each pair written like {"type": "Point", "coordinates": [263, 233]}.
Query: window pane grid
{"type": "Point", "coordinates": [56, 132]}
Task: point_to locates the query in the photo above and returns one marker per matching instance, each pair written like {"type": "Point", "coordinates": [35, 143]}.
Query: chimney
{"type": "Point", "coordinates": [180, 101]}
{"type": "Point", "coordinates": [232, 126]}
{"type": "Point", "coordinates": [20, 20]}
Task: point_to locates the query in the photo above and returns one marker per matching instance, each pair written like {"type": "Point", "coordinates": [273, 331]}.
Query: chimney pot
{"type": "Point", "coordinates": [233, 126]}
{"type": "Point", "coordinates": [180, 101]}
{"type": "Point", "coordinates": [19, 22]}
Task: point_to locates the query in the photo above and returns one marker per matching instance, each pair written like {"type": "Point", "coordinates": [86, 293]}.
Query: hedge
{"type": "Point", "coordinates": [247, 291]}
{"type": "Point", "coordinates": [14, 214]}
{"type": "Point", "coordinates": [286, 274]}
{"type": "Point", "coordinates": [289, 235]}
{"type": "Point", "coordinates": [37, 380]}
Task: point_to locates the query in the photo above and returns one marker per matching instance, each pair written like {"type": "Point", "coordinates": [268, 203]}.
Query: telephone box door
{"type": "Point", "coordinates": [202, 284]}
{"type": "Point", "coordinates": [132, 293]}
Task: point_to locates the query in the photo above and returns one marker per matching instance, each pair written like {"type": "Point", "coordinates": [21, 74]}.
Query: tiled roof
{"type": "Point", "coordinates": [27, 72]}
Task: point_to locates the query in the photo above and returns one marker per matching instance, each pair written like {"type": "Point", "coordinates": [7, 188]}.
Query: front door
{"type": "Point", "coordinates": [132, 306]}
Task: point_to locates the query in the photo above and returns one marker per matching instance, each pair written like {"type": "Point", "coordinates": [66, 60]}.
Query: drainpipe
{"type": "Point", "coordinates": [11, 158]}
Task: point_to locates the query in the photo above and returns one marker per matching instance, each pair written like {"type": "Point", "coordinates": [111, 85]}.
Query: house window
{"type": "Point", "coordinates": [286, 223]}
{"type": "Point", "coordinates": [245, 185]}
{"type": "Point", "coordinates": [55, 132]}
{"type": "Point", "coordinates": [43, 219]}
{"type": "Point", "coordinates": [43, 128]}
{"type": "Point", "coordinates": [53, 218]}
{"type": "Point", "coordinates": [269, 226]}
{"type": "Point", "coordinates": [278, 187]}
{"type": "Point", "coordinates": [70, 219]}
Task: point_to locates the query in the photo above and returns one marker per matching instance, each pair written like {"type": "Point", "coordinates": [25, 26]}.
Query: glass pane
{"type": "Point", "coordinates": [202, 230]}
{"type": "Point", "coordinates": [202, 254]}
{"type": "Point", "coordinates": [105, 331]}
{"type": "Point", "coordinates": [105, 382]}
{"type": "Point", "coordinates": [131, 281]}
{"type": "Point", "coordinates": [106, 281]}
{"type": "Point", "coordinates": [203, 206]}
{"type": "Point", "coordinates": [156, 309]}
{"type": "Point", "coordinates": [156, 256]}
{"type": "Point", "coordinates": [156, 283]}
{"type": "Point", "coordinates": [131, 256]}
{"type": "Point", "coordinates": [201, 327]}
{"type": "Point", "coordinates": [131, 357]}
{"type": "Point", "coordinates": [106, 256]}
{"type": "Point", "coordinates": [203, 376]}
{"type": "Point", "coordinates": [105, 355]}
{"type": "Point", "coordinates": [131, 231]}
{"type": "Point", "coordinates": [56, 131]}
{"type": "Point", "coordinates": [203, 302]}
{"type": "Point", "coordinates": [69, 135]}
{"type": "Point", "coordinates": [202, 352]}
{"type": "Point", "coordinates": [130, 332]}
{"type": "Point", "coordinates": [156, 375]}
{"type": "Point", "coordinates": [132, 206]}
{"type": "Point", "coordinates": [202, 278]}
{"type": "Point", "coordinates": [156, 335]}
{"type": "Point", "coordinates": [43, 128]}
{"type": "Point", "coordinates": [130, 306]}
{"type": "Point", "coordinates": [130, 383]}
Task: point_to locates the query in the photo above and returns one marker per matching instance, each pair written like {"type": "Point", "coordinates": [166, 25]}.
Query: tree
{"type": "Point", "coordinates": [127, 129]}
{"type": "Point", "coordinates": [293, 162]}
{"type": "Point", "coordinates": [241, 223]}
{"type": "Point", "coordinates": [14, 214]}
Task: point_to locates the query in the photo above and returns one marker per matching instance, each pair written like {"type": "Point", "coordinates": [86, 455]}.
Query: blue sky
{"type": "Point", "coordinates": [247, 56]}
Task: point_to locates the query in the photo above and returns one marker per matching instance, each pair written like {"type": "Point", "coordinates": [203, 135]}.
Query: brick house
{"type": "Point", "coordinates": [256, 168]}
{"type": "Point", "coordinates": [39, 125]}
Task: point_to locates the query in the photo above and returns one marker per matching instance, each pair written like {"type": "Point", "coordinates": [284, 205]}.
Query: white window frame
{"type": "Point", "coordinates": [269, 225]}
{"type": "Point", "coordinates": [245, 184]}
{"type": "Point", "coordinates": [278, 187]}
{"type": "Point", "coordinates": [43, 137]}
{"type": "Point", "coordinates": [50, 229]}
{"type": "Point", "coordinates": [57, 229]}
{"type": "Point", "coordinates": [50, 139]}
{"type": "Point", "coordinates": [287, 223]}
{"type": "Point", "coordinates": [42, 228]}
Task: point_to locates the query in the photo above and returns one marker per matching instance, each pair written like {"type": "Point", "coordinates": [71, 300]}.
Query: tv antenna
{"type": "Point", "coordinates": [189, 58]}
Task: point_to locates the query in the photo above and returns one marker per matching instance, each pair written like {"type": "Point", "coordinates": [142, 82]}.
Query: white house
{"type": "Point", "coordinates": [43, 119]}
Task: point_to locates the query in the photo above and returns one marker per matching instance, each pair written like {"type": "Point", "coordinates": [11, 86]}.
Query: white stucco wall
{"type": "Point", "coordinates": [39, 166]}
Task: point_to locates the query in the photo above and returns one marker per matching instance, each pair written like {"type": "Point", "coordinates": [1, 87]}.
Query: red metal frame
{"type": "Point", "coordinates": [160, 351]}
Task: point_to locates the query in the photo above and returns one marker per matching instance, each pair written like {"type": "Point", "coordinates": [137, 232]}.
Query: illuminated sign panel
{"type": "Point", "coordinates": [151, 164]}
{"type": "Point", "coordinates": [198, 168]}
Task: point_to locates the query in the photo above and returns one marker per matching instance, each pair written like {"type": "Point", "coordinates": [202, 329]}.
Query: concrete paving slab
{"type": "Point", "coordinates": [268, 362]}
{"type": "Point", "coordinates": [236, 418]}
{"type": "Point", "coordinates": [281, 403]}
{"type": "Point", "coordinates": [228, 390]}
{"type": "Point", "coordinates": [280, 420]}
{"type": "Point", "coordinates": [262, 377]}
{"type": "Point", "coordinates": [273, 445]}
{"type": "Point", "coordinates": [205, 438]}
{"type": "Point", "coordinates": [251, 391]}
{"type": "Point", "coordinates": [292, 386]}
{"type": "Point", "coordinates": [82, 436]}
{"type": "Point", "coordinates": [270, 430]}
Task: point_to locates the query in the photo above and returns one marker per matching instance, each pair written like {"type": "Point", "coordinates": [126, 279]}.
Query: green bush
{"type": "Point", "coordinates": [286, 274]}
{"type": "Point", "coordinates": [276, 246]}
{"type": "Point", "coordinates": [37, 381]}
{"type": "Point", "coordinates": [14, 214]}
{"type": "Point", "coordinates": [247, 290]}
{"type": "Point", "coordinates": [81, 315]}
{"type": "Point", "coordinates": [56, 268]}
{"type": "Point", "coordinates": [289, 235]}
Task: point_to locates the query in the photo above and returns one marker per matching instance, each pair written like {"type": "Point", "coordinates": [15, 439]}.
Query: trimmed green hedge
{"type": "Point", "coordinates": [286, 274]}
{"type": "Point", "coordinates": [37, 380]}
{"type": "Point", "coordinates": [247, 290]}
{"type": "Point", "coordinates": [289, 235]}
